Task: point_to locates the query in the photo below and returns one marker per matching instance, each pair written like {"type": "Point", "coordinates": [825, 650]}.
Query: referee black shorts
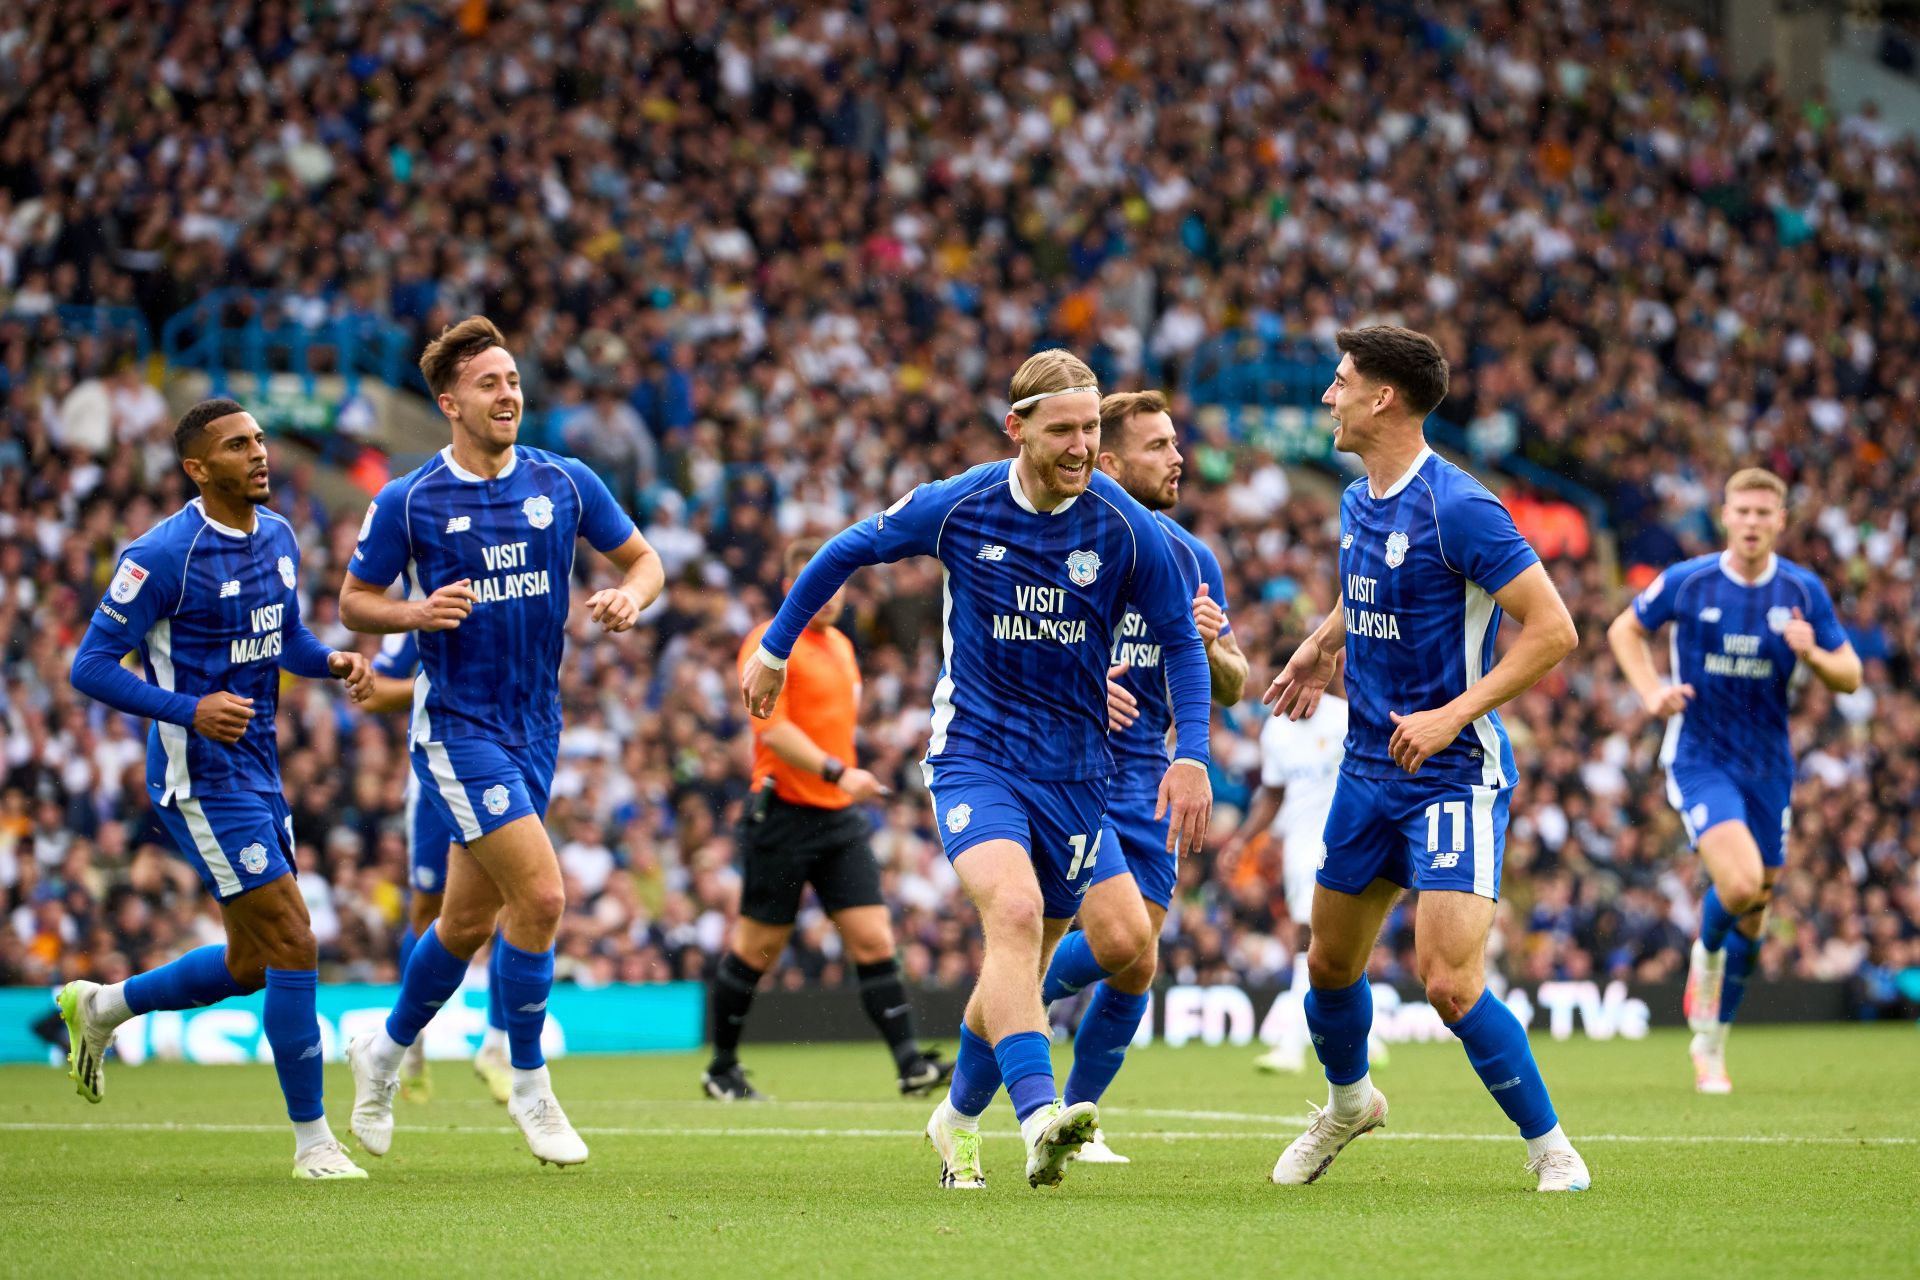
{"type": "Point", "coordinates": [795, 845]}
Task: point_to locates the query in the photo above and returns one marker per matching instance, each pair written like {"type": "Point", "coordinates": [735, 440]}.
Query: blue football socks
{"type": "Point", "coordinates": [1715, 921]}
{"type": "Point", "coordinates": [1339, 1019]}
{"type": "Point", "coordinates": [433, 975]}
{"type": "Point", "coordinates": [1741, 953]}
{"type": "Point", "coordinates": [197, 978]}
{"type": "Point", "coordinates": [1026, 1063]}
{"type": "Point", "coordinates": [293, 1031]}
{"type": "Point", "coordinates": [526, 980]}
{"type": "Point", "coordinates": [976, 1075]}
{"type": "Point", "coordinates": [1497, 1047]}
{"type": "Point", "coordinates": [1072, 969]}
{"type": "Point", "coordinates": [1100, 1046]}
{"type": "Point", "coordinates": [496, 1008]}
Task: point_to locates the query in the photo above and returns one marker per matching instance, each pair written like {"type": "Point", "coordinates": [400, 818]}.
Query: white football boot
{"type": "Point", "coordinates": [87, 1040]}
{"type": "Point", "coordinates": [1709, 1053]}
{"type": "Point", "coordinates": [1096, 1151]}
{"type": "Point", "coordinates": [1706, 970]}
{"type": "Point", "coordinates": [1053, 1135]}
{"type": "Point", "coordinates": [1308, 1155]}
{"type": "Point", "coordinates": [959, 1150]}
{"type": "Point", "coordinates": [326, 1162]}
{"type": "Point", "coordinates": [372, 1120]}
{"type": "Point", "coordinates": [549, 1134]}
{"type": "Point", "coordinates": [1560, 1169]}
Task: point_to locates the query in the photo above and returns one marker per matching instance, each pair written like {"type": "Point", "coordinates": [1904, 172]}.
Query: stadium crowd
{"type": "Point", "coordinates": [771, 266]}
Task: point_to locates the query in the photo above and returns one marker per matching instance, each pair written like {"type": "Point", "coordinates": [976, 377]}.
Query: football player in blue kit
{"type": "Point", "coordinates": [486, 533]}
{"type": "Point", "coordinates": [1140, 449]}
{"type": "Point", "coordinates": [209, 598]}
{"type": "Point", "coordinates": [1041, 553]}
{"type": "Point", "coordinates": [1429, 561]}
{"type": "Point", "coordinates": [428, 839]}
{"type": "Point", "coordinates": [1744, 620]}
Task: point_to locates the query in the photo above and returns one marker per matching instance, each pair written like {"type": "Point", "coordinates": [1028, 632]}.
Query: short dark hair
{"type": "Point", "coordinates": [799, 551]}
{"type": "Point", "coordinates": [440, 363]}
{"type": "Point", "coordinates": [194, 422]}
{"type": "Point", "coordinates": [1408, 361]}
{"type": "Point", "coordinates": [1122, 407]}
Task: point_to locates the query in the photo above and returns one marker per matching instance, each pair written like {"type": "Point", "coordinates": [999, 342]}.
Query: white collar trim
{"type": "Point", "coordinates": [1766, 575]}
{"type": "Point", "coordinates": [1025, 503]}
{"type": "Point", "coordinates": [461, 473]}
{"type": "Point", "coordinates": [1419, 461]}
{"type": "Point", "coordinates": [217, 527]}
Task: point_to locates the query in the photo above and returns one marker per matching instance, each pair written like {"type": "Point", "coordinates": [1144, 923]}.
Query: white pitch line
{"type": "Point", "coordinates": [669, 1131]}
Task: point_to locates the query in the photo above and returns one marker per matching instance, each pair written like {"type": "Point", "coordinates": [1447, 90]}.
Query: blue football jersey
{"type": "Point", "coordinates": [496, 675]}
{"type": "Point", "coordinates": [1032, 602]}
{"type": "Point", "coordinates": [1728, 643]}
{"type": "Point", "coordinates": [1141, 748]}
{"type": "Point", "coordinates": [1418, 568]}
{"type": "Point", "coordinates": [211, 609]}
{"type": "Point", "coordinates": [399, 656]}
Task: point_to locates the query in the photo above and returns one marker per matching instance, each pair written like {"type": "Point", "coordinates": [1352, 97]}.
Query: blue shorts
{"type": "Point", "coordinates": [1058, 823]}
{"type": "Point", "coordinates": [1143, 841]}
{"type": "Point", "coordinates": [475, 786]}
{"type": "Point", "coordinates": [236, 840]}
{"type": "Point", "coordinates": [428, 836]}
{"type": "Point", "coordinates": [1419, 833]}
{"type": "Point", "coordinates": [1707, 797]}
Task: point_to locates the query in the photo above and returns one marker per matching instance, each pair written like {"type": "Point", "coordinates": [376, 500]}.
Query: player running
{"type": "Point", "coordinates": [428, 839]}
{"type": "Point", "coordinates": [1299, 768]}
{"type": "Point", "coordinates": [1743, 622]}
{"type": "Point", "coordinates": [1428, 561]}
{"type": "Point", "coordinates": [209, 598]}
{"type": "Point", "coordinates": [486, 532]}
{"type": "Point", "coordinates": [1117, 945]}
{"type": "Point", "coordinates": [1041, 556]}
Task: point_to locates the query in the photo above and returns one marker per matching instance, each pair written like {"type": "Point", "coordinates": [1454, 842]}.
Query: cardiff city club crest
{"type": "Point", "coordinates": [1083, 567]}
{"type": "Point", "coordinates": [958, 817]}
{"type": "Point", "coordinates": [1396, 549]}
{"type": "Point", "coordinates": [286, 571]}
{"type": "Point", "coordinates": [539, 509]}
{"type": "Point", "coordinates": [253, 858]}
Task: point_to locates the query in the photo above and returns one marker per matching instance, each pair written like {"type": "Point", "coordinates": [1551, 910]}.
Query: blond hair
{"type": "Point", "coordinates": [1055, 369]}
{"type": "Point", "coordinates": [441, 362]}
{"type": "Point", "coordinates": [1750, 478]}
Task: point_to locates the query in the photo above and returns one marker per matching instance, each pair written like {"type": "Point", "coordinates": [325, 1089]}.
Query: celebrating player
{"type": "Point", "coordinates": [1041, 555]}
{"type": "Point", "coordinates": [1743, 621]}
{"type": "Point", "coordinates": [802, 828]}
{"type": "Point", "coordinates": [1428, 561]}
{"type": "Point", "coordinates": [209, 597]}
{"type": "Point", "coordinates": [1118, 937]}
{"type": "Point", "coordinates": [428, 839]}
{"type": "Point", "coordinates": [486, 531]}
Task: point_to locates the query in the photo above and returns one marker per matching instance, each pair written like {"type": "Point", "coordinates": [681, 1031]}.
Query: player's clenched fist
{"type": "Point", "coordinates": [354, 671]}
{"type": "Point", "coordinates": [614, 608]}
{"type": "Point", "coordinates": [1122, 707]}
{"type": "Point", "coordinates": [1209, 619]}
{"type": "Point", "coordinates": [1798, 634]}
{"type": "Point", "coordinates": [760, 686]}
{"type": "Point", "coordinates": [1667, 700]}
{"type": "Point", "coordinates": [1186, 801]}
{"type": "Point", "coordinates": [446, 608]}
{"type": "Point", "coordinates": [222, 717]}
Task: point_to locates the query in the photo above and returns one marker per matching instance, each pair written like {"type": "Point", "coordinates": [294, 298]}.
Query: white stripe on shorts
{"type": "Point", "coordinates": [226, 884]}
{"type": "Point", "coordinates": [1483, 850]}
{"type": "Point", "coordinates": [450, 789]}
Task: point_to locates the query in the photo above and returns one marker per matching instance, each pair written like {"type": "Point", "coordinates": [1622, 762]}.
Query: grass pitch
{"type": "Point", "coordinates": [1811, 1168]}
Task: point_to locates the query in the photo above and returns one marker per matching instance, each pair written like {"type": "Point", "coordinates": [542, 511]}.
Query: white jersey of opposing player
{"type": "Point", "coordinates": [1304, 757]}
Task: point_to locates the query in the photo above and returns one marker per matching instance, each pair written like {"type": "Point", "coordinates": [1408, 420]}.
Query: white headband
{"type": "Point", "coordinates": [1018, 405]}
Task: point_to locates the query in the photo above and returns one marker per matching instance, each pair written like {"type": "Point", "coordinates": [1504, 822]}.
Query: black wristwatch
{"type": "Point", "coordinates": [831, 768]}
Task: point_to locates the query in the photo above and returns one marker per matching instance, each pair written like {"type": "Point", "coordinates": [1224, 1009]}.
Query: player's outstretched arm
{"type": "Point", "coordinates": [390, 693]}
{"type": "Point", "coordinates": [1632, 648]}
{"type": "Point", "coordinates": [643, 576]}
{"type": "Point", "coordinates": [368, 609]}
{"type": "Point", "coordinates": [1547, 635]}
{"type": "Point", "coordinates": [1297, 690]}
{"type": "Point", "coordinates": [790, 742]}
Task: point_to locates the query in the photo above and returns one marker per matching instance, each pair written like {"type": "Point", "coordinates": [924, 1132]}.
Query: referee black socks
{"type": "Point", "coordinates": [733, 985]}
{"type": "Point", "coordinates": [885, 1000]}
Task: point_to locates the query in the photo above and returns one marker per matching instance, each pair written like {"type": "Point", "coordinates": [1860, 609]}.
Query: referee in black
{"type": "Point", "coordinates": [801, 828]}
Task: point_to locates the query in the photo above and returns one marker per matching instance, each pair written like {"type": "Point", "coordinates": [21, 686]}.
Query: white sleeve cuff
{"type": "Point", "coordinates": [768, 660]}
{"type": "Point", "coordinates": [1198, 764]}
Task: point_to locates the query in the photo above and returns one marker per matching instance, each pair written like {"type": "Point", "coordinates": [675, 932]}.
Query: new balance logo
{"type": "Point", "coordinates": [1710, 614]}
{"type": "Point", "coordinates": [1445, 861]}
{"type": "Point", "coordinates": [532, 1008]}
{"type": "Point", "coordinates": [231, 587]}
{"type": "Point", "coordinates": [459, 524]}
{"type": "Point", "coordinates": [1504, 1084]}
{"type": "Point", "coordinates": [992, 551]}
